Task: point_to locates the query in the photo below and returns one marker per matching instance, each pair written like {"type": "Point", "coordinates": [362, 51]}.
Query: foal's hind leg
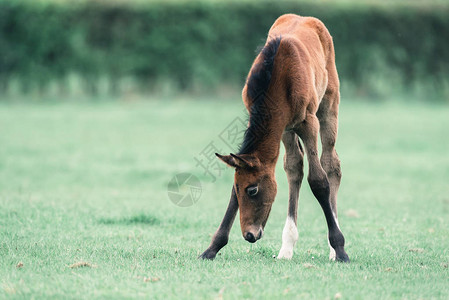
{"type": "Point", "coordinates": [328, 117]}
{"type": "Point", "coordinates": [319, 183]}
{"type": "Point", "coordinates": [293, 166]}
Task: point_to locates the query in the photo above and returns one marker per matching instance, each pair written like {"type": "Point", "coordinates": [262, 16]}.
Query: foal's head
{"type": "Point", "coordinates": [255, 187]}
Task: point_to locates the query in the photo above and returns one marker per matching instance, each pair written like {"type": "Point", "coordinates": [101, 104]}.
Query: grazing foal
{"type": "Point", "coordinates": [292, 91]}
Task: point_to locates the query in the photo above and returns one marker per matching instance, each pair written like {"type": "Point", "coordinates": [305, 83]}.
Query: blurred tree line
{"type": "Point", "coordinates": [110, 48]}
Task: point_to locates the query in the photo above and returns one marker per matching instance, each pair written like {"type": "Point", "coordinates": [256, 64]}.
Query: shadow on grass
{"type": "Point", "coordinates": [132, 220]}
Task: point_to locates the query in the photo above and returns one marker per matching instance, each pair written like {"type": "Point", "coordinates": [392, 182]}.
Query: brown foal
{"type": "Point", "coordinates": [292, 91]}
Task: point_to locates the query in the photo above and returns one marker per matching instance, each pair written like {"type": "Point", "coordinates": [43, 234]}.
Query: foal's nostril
{"type": "Point", "coordinates": [259, 236]}
{"type": "Point", "coordinates": [250, 237]}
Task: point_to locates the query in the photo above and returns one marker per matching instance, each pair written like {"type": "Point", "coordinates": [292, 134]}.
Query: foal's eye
{"type": "Point", "coordinates": [252, 191]}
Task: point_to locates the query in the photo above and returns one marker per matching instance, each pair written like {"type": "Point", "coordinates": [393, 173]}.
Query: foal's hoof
{"type": "Point", "coordinates": [342, 257]}
{"type": "Point", "coordinates": [208, 254]}
{"type": "Point", "coordinates": [285, 254]}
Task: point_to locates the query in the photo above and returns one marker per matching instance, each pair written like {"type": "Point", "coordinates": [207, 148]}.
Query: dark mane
{"type": "Point", "coordinates": [257, 85]}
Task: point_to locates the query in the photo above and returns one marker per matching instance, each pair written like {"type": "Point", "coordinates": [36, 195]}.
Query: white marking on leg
{"type": "Point", "coordinates": [336, 221]}
{"type": "Point", "coordinates": [289, 238]}
{"type": "Point", "coordinates": [332, 254]}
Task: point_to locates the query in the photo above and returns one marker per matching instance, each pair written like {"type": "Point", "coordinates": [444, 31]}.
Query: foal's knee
{"type": "Point", "coordinates": [336, 165]}
{"type": "Point", "coordinates": [335, 170]}
{"type": "Point", "coordinates": [331, 164]}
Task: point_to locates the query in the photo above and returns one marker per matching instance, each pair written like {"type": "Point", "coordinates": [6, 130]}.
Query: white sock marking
{"type": "Point", "coordinates": [289, 238]}
{"type": "Point", "coordinates": [332, 254]}
{"type": "Point", "coordinates": [336, 221]}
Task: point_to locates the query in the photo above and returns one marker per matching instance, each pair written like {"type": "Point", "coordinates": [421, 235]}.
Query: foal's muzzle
{"type": "Point", "coordinates": [252, 237]}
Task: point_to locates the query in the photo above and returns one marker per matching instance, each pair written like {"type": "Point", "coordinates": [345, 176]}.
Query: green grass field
{"type": "Point", "coordinates": [87, 182]}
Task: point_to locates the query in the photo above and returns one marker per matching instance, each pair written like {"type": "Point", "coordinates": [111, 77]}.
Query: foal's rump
{"type": "Point", "coordinates": [303, 63]}
{"type": "Point", "coordinates": [309, 31]}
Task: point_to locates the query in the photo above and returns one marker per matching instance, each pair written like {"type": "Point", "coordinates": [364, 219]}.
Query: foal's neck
{"type": "Point", "coordinates": [267, 140]}
{"type": "Point", "coordinates": [268, 150]}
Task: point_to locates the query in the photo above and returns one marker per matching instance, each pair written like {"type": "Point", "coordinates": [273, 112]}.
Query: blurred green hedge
{"type": "Point", "coordinates": [116, 47]}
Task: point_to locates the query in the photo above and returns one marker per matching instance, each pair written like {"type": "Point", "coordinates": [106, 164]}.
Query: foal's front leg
{"type": "Point", "coordinates": [293, 166]}
{"type": "Point", "coordinates": [221, 236]}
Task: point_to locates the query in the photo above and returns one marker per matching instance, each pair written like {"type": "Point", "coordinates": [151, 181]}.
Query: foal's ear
{"type": "Point", "coordinates": [227, 159]}
{"type": "Point", "coordinates": [244, 161]}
